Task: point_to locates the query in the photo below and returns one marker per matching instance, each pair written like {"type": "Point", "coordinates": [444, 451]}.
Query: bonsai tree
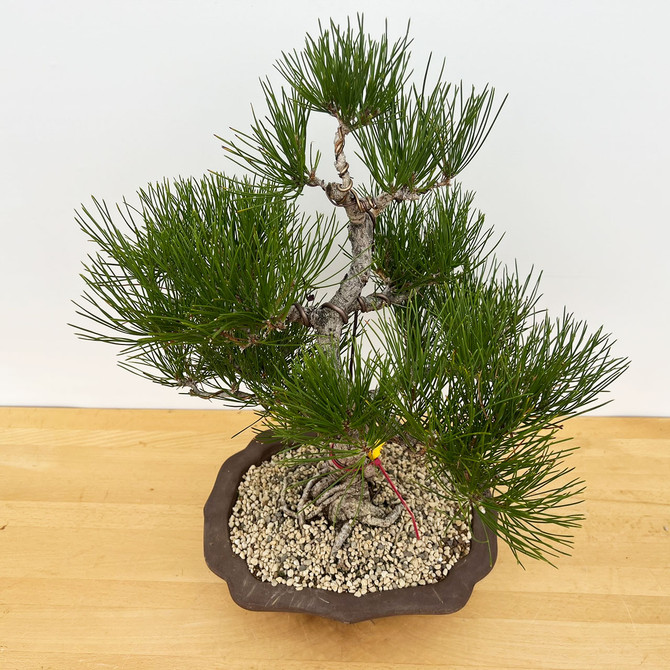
{"type": "Point", "coordinates": [222, 287]}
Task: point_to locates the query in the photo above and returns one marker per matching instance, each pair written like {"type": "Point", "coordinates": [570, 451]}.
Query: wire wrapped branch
{"type": "Point", "coordinates": [233, 393]}
{"type": "Point", "coordinates": [380, 202]}
{"type": "Point", "coordinates": [342, 194]}
{"type": "Point", "coordinates": [339, 310]}
{"type": "Point", "coordinates": [297, 313]}
{"type": "Point", "coordinates": [351, 200]}
{"type": "Point", "coordinates": [341, 164]}
{"type": "Point", "coordinates": [371, 303]}
{"type": "Point", "coordinates": [376, 301]}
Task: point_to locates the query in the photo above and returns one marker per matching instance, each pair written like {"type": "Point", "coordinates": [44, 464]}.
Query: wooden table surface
{"type": "Point", "coordinates": [101, 562]}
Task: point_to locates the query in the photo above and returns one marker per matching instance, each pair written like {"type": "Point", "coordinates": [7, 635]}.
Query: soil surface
{"type": "Point", "coordinates": [280, 550]}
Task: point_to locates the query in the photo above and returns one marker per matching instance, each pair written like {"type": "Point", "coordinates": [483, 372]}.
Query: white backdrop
{"type": "Point", "coordinates": [99, 98]}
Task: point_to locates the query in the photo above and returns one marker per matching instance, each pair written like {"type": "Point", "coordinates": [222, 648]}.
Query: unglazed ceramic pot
{"type": "Point", "coordinates": [444, 597]}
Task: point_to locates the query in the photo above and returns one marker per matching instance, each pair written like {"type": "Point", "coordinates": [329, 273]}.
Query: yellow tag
{"type": "Point", "coordinates": [373, 454]}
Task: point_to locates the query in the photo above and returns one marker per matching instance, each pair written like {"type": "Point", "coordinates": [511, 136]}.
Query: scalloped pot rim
{"type": "Point", "coordinates": [444, 597]}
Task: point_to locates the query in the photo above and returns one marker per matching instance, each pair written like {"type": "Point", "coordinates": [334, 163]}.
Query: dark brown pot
{"type": "Point", "coordinates": [444, 597]}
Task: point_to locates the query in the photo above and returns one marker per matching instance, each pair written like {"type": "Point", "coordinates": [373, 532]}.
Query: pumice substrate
{"type": "Point", "coordinates": [279, 550]}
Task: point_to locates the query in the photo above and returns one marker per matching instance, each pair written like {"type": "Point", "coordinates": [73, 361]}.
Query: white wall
{"type": "Point", "coordinates": [102, 97]}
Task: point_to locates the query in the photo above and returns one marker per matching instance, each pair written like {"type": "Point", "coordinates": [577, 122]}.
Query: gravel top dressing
{"type": "Point", "coordinates": [280, 550]}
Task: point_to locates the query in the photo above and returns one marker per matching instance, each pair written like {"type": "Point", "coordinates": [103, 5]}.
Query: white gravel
{"type": "Point", "coordinates": [279, 551]}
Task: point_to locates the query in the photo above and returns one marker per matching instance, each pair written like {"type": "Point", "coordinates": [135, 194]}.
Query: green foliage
{"type": "Point", "coordinates": [520, 485]}
{"type": "Point", "coordinates": [481, 378]}
{"type": "Point", "coordinates": [425, 242]}
{"type": "Point", "coordinates": [346, 73]}
{"type": "Point", "coordinates": [409, 138]}
{"type": "Point", "coordinates": [199, 267]}
{"type": "Point", "coordinates": [426, 137]}
{"type": "Point", "coordinates": [275, 150]}
{"type": "Point", "coordinates": [252, 371]}
{"type": "Point", "coordinates": [319, 403]}
{"type": "Point", "coordinates": [398, 147]}
{"type": "Point", "coordinates": [463, 127]}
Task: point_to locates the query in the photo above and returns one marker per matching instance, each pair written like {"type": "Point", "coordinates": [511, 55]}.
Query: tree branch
{"type": "Point", "coordinates": [376, 301]}
{"type": "Point", "coordinates": [383, 200]}
{"type": "Point", "coordinates": [341, 164]}
{"type": "Point", "coordinates": [369, 303]}
{"type": "Point", "coordinates": [199, 392]}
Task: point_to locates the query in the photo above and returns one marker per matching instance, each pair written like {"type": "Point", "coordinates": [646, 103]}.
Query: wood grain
{"type": "Point", "coordinates": [101, 562]}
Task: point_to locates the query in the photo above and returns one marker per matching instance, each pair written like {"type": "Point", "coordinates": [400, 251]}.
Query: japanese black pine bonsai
{"type": "Point", "coordinates": [221, 286]}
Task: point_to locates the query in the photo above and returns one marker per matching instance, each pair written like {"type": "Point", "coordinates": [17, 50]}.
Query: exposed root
{"type": "Point", "coordinates": [338, 498]}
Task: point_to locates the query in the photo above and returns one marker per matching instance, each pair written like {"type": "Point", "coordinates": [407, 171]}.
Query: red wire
{"type": "Point", "coordinates": [336, 463]}
{"type": "Point", "coordinates": [378, 463]}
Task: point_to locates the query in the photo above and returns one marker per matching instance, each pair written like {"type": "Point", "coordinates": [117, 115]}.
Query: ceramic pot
{"type": "Point", "coordinates": [448, 595]}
